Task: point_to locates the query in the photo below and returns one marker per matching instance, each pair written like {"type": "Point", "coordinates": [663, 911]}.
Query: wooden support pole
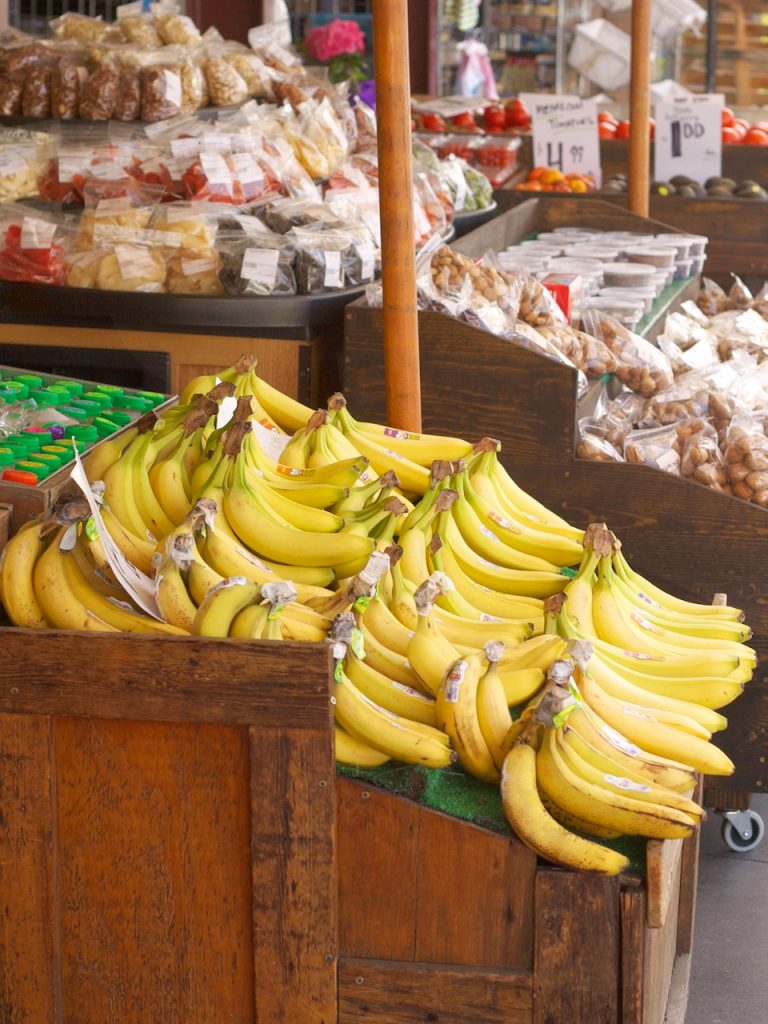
{"type": "Point", "coordinates": [393, 110]}
{"type": "Point", "coordinates": [640, 108]}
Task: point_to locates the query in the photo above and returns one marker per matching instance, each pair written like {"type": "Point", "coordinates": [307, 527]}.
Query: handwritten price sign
{"type": "Point", "coordinates": [565, 134]}
{"type": "Point", "coordinates": [688, 137]}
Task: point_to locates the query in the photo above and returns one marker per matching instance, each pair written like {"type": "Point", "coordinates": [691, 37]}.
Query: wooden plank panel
{"type": "Point", "coordinates": [378, 853]}
{"type": "Point", "coordinates": [295, 915]}
{"type": "Point", "coordinates": [662, 868]}
{"type": "Point", "coordinates": [166, 678]}
{"type": "Point", "coordinates": [689, 882]}
{"type": "Point", "coordinates": [155, 918]}
{"type": "Point", "coordinates": [411, 993]}
{"type": "Point", "coordinates": [28, 918]}
{"type": "Point", "coordinates": [632, 904]}
{"type": "Point", "coordinates": [660, 954]}
{"type": "Point", "coordinates": [475, 896]}
{"type": "Point", "coordinates": [278, 360]}
{"type": "Point", "coordinates": [5, 524]}
{"type": "Point", "coordinates": [577, 949]}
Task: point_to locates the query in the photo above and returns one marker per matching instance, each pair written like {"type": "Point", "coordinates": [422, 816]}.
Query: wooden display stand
{"type": "Point", "coordinates": [174, 847]}
{"type": "Point", "coordinates": [683, 536]}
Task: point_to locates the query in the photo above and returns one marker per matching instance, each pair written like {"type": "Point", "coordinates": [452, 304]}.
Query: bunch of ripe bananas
{"type": "Point", "coordinates": [442, 585]}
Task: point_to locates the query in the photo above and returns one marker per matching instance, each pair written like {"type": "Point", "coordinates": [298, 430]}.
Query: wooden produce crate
{"type": "Point", "coordinates": [533, 215]}
{"type": "Point", "coordinates": [683, 536]}
{"type": "Point", "coordinates": [736, 228]}
{"type": "Point", "coordinates": [174, 847]}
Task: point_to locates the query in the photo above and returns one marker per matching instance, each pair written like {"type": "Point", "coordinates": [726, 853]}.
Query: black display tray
{"type": "Point", "coordinates": [158, 311]}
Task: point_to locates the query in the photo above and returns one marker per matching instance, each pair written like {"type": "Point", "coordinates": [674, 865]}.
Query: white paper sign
{"type": "Point", "coordinates": [565, 135]}
{"type": "Point", "coordinates": [688, 137]}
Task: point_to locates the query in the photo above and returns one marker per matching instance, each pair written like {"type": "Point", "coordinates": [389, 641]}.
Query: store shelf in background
{"type": "Point", "coordinates": [742, 52]}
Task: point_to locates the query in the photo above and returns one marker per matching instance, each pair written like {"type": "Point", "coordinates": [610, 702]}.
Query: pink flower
{"type": "Point", "coordinates": [336, 38]}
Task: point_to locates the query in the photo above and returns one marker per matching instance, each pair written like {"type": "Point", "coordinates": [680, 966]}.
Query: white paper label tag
{"type": "Point", "coordinates": [215, 169]}
{"type": "Point", "coordinates": [688, 137]}
{"type": "Point", "coordinates": [565, 135]}
{"type": "Point", "coordinates": [260, 265]}
{"type": "Point", "coordinates": [134, 261]}
{"type": "Point", "coordinates": [201, 266]}
{"type": "Point", "coordinates": [185, 147]}
{"type": "Point", "coordinates": [333, 277]}
{"type": "Point", "coordinates": [36, 234]}
{"type": "Point", "coordinates": [217, 142]}
{"type": "Point", "coordinates": [367, 255]}
{"type": "Point", "coordinates": [172, 88]}
{"type": "Point", "coordinates": [247, 169]}
{"type": "Point", "coordinates": [70, 164]}
{"type": "Point", "coordinates": [669, 461]}
{"type": "Point", "coordinates": [12, 163]}
{"type": "Point", "coordinates": [621, 783]}
{"type": "Point", "coordinates": [113, 207]}
{"type": "Point", "coordinates": [140, 587]}
{"type": "Point", "coordinates": [107, 170]}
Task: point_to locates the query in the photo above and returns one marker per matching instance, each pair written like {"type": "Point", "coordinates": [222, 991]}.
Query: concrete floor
{"type": "Point", "coordinates": [729, 975]}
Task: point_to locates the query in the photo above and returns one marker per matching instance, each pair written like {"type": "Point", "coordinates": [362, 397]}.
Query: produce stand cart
{"type": "Point", "coordinates": [174, 845]}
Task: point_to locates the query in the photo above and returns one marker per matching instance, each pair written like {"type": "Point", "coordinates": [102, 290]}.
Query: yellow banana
{"type": "Point", "coordinates": [17, 565]}
{"type": "Point", "coordinates": [221, 604]}
{"type": "Point", "coordinates": [388, 693]}
{"type": "Point", "coordinates": [356, 753]}
{"type": "Point", "coordinates": [457, 716]}
{"type": "Point", "coordinates": [55, 596]}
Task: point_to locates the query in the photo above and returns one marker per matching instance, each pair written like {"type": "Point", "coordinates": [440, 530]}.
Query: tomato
{"type": "Point", "coordinates": [726, 117]}
{"type": "Point", "coordinates": [516, 114]}
{"type": "Point", "coordinates": [622, 130]}
{"type": "Point", "coordinates": [432, 123]}
{"type": "Point", "coordinates": [741, 124]}
{"type": "Point", "coordinates": [606, 115]}
{"type": "Point", "coordinates": [729, 135]}
{"type": "Point", "coordinates": [464, 120]}
{"type": "Point", "coordinates": [606, 130]}
{"type": "Point", "coordinates": [756, 137]}
{"type": "Point", "coordinates": [760, 124]}
{"type": "Point", "coordinates": [651, 128]}
{"type": "Point", "coordinates": [495, 118]}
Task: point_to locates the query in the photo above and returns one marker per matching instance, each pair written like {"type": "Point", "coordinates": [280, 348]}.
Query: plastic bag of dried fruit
{"type": "Point", "coordinates": [32, 245]}
{"type": "Point", "coordinates": [746, 458]}
{"type": "Point", "coordinates": [739, 296]}
{"type": "Point", "coordinates": [701, 458]}
{"type": "Point", "coordinates": [592, 444]}
{"type": "Point", "coordinates": [641, 366]}
{"type": "Point", "coordinates": [659, 448]}
{"type": "Point", "coordinates": [116, 210]}
{"type": "Point", "coordinates": [23, 155]}
{"type": "Point", "coordinates": [72, 25]}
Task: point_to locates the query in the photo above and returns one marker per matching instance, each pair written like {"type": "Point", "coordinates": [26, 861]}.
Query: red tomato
{"type": "Point", "coordinates": [606, 115]}
{"type": "Point", "coordinates": [760, 124]}
{"type": "Point", "coordinates": [606, 130]}
{"type": "Point", "coordinates": [756, 137]}
{"type": "Point", "coordinates": [729, 135]}
{"type": "Point", "coordinates": [433, 123]}
{"type": "Point", "coordinates": [495, 118]}
{"type": "Point", "coordinates": [727, 117]}
{"type": "Point", "coordinates": [741, 125]}
{"type": "Point", "coordinates": [464, 120]}
{"type": "Point", "coordinates": [516, 114]}
{"type": "Point", "coordinates": [622, 130]}
{"type": "Point", "coordinates": [651, 128]}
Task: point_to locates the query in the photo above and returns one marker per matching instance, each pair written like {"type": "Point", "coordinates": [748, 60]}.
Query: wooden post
{"type": "Point", "coordinates": [640, 108]}
{"type": "Point", "coordinates": [401, 329]}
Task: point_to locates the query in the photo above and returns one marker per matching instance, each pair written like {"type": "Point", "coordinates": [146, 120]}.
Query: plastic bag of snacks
{"type": "Point", "coordinates": [137, 28]}
{"type": "Point", "coordinates": [538, 306]}
{"type": "Point", "coordinates": [11, 89]}
{"type": "Point", "coordinates": [641, 366]}
{"type": "Point", "coordinates": [128, 103]}
{"type": "Point", "coordinates": [194, 272]}
{"type": "Point", "coordinates": [761, 302]}
{"type": "Point", "coordinates": [701, 458]}
{"type": "Point", "coordinates": [99, 93]}
{"type": "Point", "coordinates": [677, 404]}
{"type": "Point", "coordinates": [479, 189]}
{"type": "Point", "coordinates": [281, 215]}
{"type": "Point", "coordinates": [746, 457]}
{"type": "Point", "coordinates": [115, 211]}
{"type": "Point", "coordinates": [593, 444]}
{"type": "Point", "coordinates": [162, 96]}
{"type": "Point", "coordinates": [659, 448]}
{"type": "Point", "coordinates": [254, 260]}
{"type": "Point", "coordinates": [711, 300]}
{"type": "Point", "coordinates": [192, 222]}
{"type": "Point", "coordinates": [67, 80]}
{"type": "Point", "coordinates": [132, 267]}
{"type": "Point", "coordinates": [22, 158]}
{"type": "Point", "coordinates": [739, 296]}
{"type": "Point", "coordinates": [586, 352]}
{"type": "Point", "coordinates": [36, 94]}
{"type": "Point", "coordinates": [226, 86]}
{"type": "Point", "coordinates": [78, 26]}
{"type": "Point", "coordinates": [176, 28]}
{"type": "Point", "coordinates": [253, 71]}
{"type": "Point", "coordinates": [32, 247]}
{"type": "Point", "coordinates": [450, 269]}
{"type": "Point", "coordinates": [329, 260]}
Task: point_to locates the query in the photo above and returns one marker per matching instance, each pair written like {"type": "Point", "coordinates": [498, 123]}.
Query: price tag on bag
{"type": "Point", "coordinates": [565, 135]}
{"type": "Point", "coordinates": [688, 137]}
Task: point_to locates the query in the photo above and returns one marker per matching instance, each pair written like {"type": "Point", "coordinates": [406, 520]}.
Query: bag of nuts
{"type": "Point", "coordinates": [659, 448]}
{"type": "Point", "coordinates": [641, 366]}
{"type": "Point", "coordinates": [746, 457]}
{"type": "Point", "coordinates": [701, 458]}
{"type": "Point", "coordinates": [593, 444]}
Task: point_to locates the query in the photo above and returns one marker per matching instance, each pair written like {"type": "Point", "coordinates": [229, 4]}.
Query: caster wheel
{"type": "Point", "coordinates": [735, 839]}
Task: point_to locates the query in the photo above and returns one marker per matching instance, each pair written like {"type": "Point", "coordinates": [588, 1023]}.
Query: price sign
{"type": "Point", "coordinates": [688, 139]}
{"type": "Point", "coordinates": [565, 134]}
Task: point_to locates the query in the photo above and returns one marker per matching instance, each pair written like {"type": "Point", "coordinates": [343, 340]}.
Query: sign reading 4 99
{"type": "Point", "coordinates": [565, 134]}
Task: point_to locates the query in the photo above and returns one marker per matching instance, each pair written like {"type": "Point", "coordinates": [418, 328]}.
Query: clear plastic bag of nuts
{"type": "Point", "coordinates": [746, 457]}
{"type": "Point", "coordinates": [711, 300]}
{"type": "Point", "coordinates": [593, 444]}
{"type": "Point", "coordinates": [701, 458]}
{"type": "Point", "coordinates": [659, 448]}
{"type": "Point", "coordinates": [587, 353]}
{"type": "Point", "coordinates": [641, 366]}
{"type": "Point", "coordinates": [450, 270]}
